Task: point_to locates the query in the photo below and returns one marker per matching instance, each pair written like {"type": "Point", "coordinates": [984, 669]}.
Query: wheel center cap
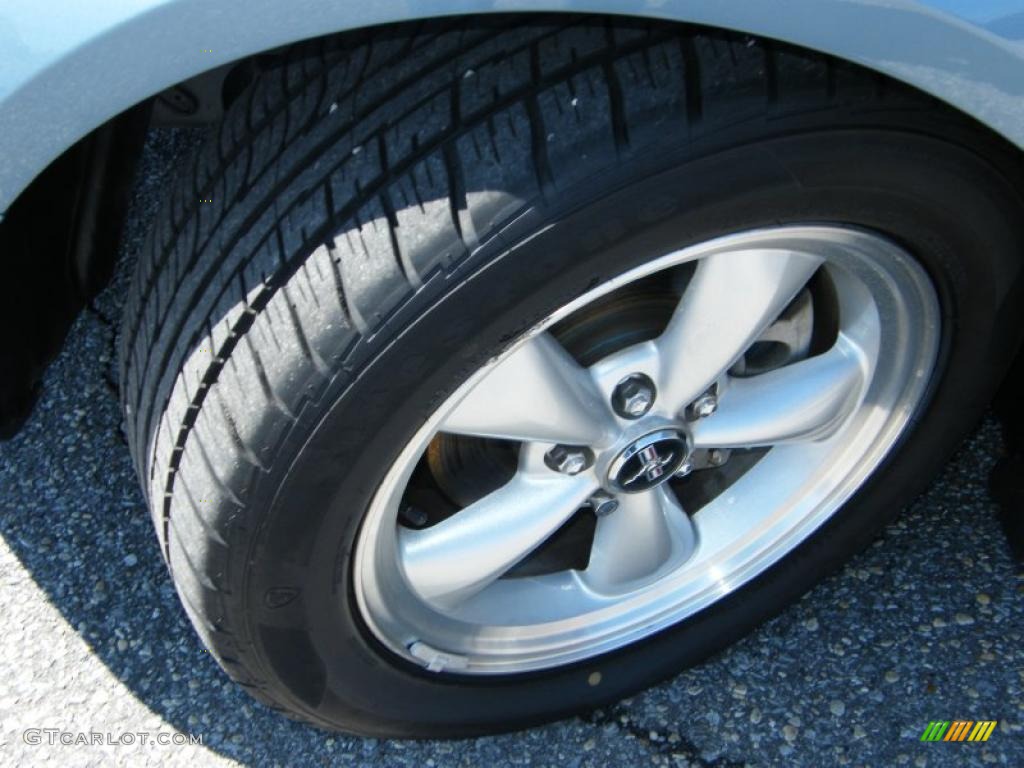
{"type": "Point", "coordinates": [648, 461]}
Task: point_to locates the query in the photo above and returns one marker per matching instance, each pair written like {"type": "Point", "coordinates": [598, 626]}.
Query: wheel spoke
{"type": "Point", "coordinates": [538, 393]}
{"type": "Point", "coordinates": [645, 532]}
{"type": "Point", "coordinates": [729, 302]}
{"type": "Point", "coordinates": [458, 557]}
{"type": "Point", "coordinates": [808, 400]}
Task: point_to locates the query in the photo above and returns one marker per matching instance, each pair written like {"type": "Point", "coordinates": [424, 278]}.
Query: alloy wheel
{"type": "Point", "coordinates": [662, 470]}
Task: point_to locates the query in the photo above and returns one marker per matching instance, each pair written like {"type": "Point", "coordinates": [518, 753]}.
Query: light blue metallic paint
{"type": "Point", "coordinates": [67, 66]}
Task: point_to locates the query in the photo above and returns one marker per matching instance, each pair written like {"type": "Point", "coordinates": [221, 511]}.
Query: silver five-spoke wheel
{"type": "Point", "coordinates": [646, 449]}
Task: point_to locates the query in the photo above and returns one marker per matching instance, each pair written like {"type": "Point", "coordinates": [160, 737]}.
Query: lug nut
{"type": "Point", "coordinates": [569, 460]}
{"type": "Point", "coordinates": [633, 396]}
{"type": "Point", "coordinates": [414, 517]}
{"type": "Point", "coordinates": [705, 405]}
{"type": "Point", "coordinates": [684, 469]}
{"type": "Point", "coordinates": [717, 457]}
{"type": "Point", "coordinates": [603, 503]}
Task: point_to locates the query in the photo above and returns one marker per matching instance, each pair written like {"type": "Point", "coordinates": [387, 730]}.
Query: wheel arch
{"type": "Point", "coordinates": [66, 74]}
{"type": "Point", "coordinates": [68, 81]}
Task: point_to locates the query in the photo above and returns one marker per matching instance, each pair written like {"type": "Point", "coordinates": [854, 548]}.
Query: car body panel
{"type": "Point", "coordinates": [68, 67]}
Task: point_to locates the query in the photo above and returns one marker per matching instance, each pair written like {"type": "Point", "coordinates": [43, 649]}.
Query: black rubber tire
{"type": "Point", "coordinates": [378, 215]}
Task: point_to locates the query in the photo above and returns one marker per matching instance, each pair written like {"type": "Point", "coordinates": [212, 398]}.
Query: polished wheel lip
{"type": "Point", "coordinates": [418, 629]}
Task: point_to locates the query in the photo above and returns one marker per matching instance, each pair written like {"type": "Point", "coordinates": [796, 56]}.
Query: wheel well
{"type": "Point", "coordinates": [59, 239]}
{"type": "Point", "coordinates": [58, 243]}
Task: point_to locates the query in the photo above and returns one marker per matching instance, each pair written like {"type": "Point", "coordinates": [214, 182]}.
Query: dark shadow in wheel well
{"type": "Point", "coordinates": [58, 242]}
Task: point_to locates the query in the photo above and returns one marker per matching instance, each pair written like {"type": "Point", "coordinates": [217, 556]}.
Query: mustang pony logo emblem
{"type": "Point", "coordinates": [653, 465]}
{"type": "Point", "coordinates": [648, 461]}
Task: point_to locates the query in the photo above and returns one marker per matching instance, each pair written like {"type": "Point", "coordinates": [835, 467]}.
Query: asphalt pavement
{"type": "Point", "coordinates": [925, 625]}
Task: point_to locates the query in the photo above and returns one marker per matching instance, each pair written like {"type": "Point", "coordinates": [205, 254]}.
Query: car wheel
{"type": "Point", "coordinates": [486, 372]}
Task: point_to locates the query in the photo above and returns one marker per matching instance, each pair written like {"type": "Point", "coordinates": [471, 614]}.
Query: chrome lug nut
{"type": "Point", "coordinates": [718, 456]}
{"type": "Point", "coordinates": [603, 503]}
{"type": "Point", "coordinates": [567, 459]}
{"type": "Point", "coordinates": [633, 396]}
{"type": "Point", "coordinates": [684, 469]}
{"type": "Point", "coordinates": [705, 405]}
